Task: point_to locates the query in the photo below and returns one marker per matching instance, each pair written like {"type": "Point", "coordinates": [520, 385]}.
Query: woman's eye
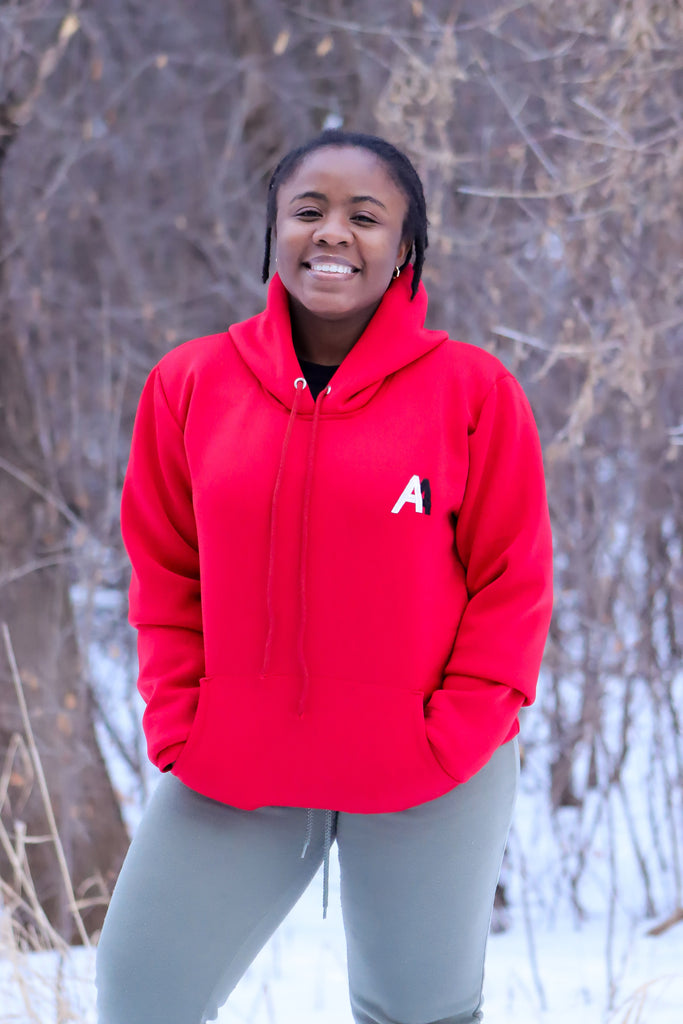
{"type": "Point", "coordinates": [310, 213]}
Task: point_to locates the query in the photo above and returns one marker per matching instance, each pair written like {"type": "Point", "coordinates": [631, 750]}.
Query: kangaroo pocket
{"type": "Point", "coordinates": [358, 747]}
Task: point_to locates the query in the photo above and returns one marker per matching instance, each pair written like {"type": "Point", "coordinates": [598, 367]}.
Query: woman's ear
{"type": "Point", "coordinates": [403, 250]}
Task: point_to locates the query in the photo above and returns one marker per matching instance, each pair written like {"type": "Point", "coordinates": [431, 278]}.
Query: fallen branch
{"type": "Point", "coordinates": [667, 923]}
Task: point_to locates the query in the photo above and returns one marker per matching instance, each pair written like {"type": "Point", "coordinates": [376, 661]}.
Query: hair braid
{"type": "Point", "coordinates": [266, 254]}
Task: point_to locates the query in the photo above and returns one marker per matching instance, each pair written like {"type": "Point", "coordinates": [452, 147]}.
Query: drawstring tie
{"type": "Point", "coordinates": [303, 693]}
{"type": "Point", "coordinates": [273, 526]}
{"type": "Point", "coordinates": [327, 846]}
{"type": "Point", "coordinates": [299, 387]}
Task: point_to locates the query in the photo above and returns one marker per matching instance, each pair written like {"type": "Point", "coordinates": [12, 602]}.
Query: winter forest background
{"type": "Point", "coordinates": [136, 141]}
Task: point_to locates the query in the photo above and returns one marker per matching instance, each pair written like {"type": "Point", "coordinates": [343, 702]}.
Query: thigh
{"type": "Point", "coordinates": [201, 890]}
{"type": "Point", "coordinates": [417, 891]}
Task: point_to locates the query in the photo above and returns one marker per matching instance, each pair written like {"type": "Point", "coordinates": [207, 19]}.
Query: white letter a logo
{"type": "Point", "coordinates": [411, 492]}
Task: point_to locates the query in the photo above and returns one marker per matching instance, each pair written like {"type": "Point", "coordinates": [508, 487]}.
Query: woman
{"type": "Point", "coordinates": [342, 585]}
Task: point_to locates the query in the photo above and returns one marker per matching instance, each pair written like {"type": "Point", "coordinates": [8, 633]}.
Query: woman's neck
{"type": "Point", "coordinates": [326, 342]}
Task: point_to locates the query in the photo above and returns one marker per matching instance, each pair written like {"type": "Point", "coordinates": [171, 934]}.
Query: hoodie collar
{"type": "Point", "coordinates": [394, 338]}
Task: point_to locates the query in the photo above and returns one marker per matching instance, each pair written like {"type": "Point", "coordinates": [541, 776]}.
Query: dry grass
{"type": "Point", "coordinates": [638, 1008]}
{"type": "Point", "coordinates": [42, 980]}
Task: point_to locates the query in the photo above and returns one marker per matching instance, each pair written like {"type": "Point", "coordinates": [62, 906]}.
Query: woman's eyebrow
{"type": "Point", "coordinates": [323, 198]}
{"type": "Point", "coordinates": [309, 195]}
{"type": "Point", "coordinates": [366, 199]}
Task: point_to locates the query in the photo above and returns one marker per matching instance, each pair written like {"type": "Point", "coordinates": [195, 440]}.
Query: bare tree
{"type": "Point", "coordinates": [137, 145]}
{"type": "Point", "coordinates": [42, 526]}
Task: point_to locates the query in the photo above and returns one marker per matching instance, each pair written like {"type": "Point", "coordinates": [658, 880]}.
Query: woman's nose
{"type": "Point", "coordinates": [332, 230]}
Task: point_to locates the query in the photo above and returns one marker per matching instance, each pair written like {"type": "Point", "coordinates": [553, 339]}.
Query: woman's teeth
{"type": "Point", "coordinates": [331, 268]}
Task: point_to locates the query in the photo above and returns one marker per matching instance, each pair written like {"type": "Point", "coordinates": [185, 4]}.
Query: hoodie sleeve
{"type": "Point", "coordinates": [503, 540]}
{"type": "Point", "coordinates": [160, 535]}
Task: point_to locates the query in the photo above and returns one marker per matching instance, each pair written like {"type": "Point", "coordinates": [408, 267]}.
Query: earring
{"type": "Point", "coordinates": [396, 273]}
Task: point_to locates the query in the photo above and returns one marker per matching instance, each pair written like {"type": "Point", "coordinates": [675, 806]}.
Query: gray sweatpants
{"type": "Point", "coordinates": [205, 885]}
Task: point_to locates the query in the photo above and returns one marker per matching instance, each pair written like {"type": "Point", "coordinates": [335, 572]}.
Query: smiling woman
{"type": "Point", "coordinates": [341, 583]}
{"type": "Point", "coordinates": [339, 234]}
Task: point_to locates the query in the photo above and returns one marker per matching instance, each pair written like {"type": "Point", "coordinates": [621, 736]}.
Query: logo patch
{"type": "Point", "coordinates": [416, 492]}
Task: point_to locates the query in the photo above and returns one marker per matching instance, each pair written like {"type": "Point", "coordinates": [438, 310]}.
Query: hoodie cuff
{"type": "Point", "coordinates": [169, 756]}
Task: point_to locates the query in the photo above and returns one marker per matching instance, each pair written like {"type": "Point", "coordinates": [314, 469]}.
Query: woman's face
{"type": "Point", "coordinates": [339, 232]}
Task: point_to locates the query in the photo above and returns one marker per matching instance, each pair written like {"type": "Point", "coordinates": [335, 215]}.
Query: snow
{"type": "Point", "coordinates": [300, 976]}
{"type": "Point", "coordinates": [578, 881]}
{"type": "Point", "coordinates": [573, 951]}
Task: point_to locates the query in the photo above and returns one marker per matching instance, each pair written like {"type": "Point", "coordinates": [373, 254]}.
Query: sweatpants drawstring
{"type": "Point", "coordinates": [326, 860]}
{"type": "Point", "coordinates": [309, 831]}
{"type": "Point", "coordinates": [327, 846]}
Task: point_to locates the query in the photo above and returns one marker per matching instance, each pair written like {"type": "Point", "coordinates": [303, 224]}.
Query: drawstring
{"type": "Point", "coordinates": [302, 560]}
{"type": "Point", "coordinates": [326, 860]}
{"type": "Point", "coordinates": [298, 391]}
{"type": "Point", "coordinates": [299, 386]}
{"type": "Point", "coordinates": [327, 846]}
{"type": "Point", "coordinates": [303, 693]}
{"type": "Point", "coordinates": [309, 832]}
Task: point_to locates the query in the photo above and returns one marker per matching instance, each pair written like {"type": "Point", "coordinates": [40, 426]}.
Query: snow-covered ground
{"type": "Point", "coordinates": [300, 976]}
{"type": "Point", "coordinates": [572, 953]}
{"type": "Point", "coordinates": [575, 951]}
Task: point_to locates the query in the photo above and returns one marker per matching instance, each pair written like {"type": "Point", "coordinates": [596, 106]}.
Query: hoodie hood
{"type": "Point", "coordinates": [395, 337]}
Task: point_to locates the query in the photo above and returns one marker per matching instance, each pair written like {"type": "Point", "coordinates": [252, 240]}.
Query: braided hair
{"type": "Point", "coordinates": [399, 168]}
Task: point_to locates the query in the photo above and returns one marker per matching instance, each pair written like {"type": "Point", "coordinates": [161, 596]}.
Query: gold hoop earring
{"type": "Point", "coordinates": [396, 274]}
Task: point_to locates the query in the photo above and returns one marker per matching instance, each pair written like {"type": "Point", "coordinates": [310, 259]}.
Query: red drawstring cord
{"type": "Point", "coordinates": [304, 551]}
{"type": "Point", "coordinates": [273, 517]}
{"type": "Point", "coordinates": [304, 541]}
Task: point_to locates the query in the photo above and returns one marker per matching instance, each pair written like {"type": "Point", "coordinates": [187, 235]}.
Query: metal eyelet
{"type": "Point", "coordinates": [303, 381]}
{"type": "Point", "coordinates": [328, 389]}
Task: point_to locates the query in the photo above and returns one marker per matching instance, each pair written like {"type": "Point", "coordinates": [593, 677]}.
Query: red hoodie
{"type": "Point", "coordinates": [340, 604]}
